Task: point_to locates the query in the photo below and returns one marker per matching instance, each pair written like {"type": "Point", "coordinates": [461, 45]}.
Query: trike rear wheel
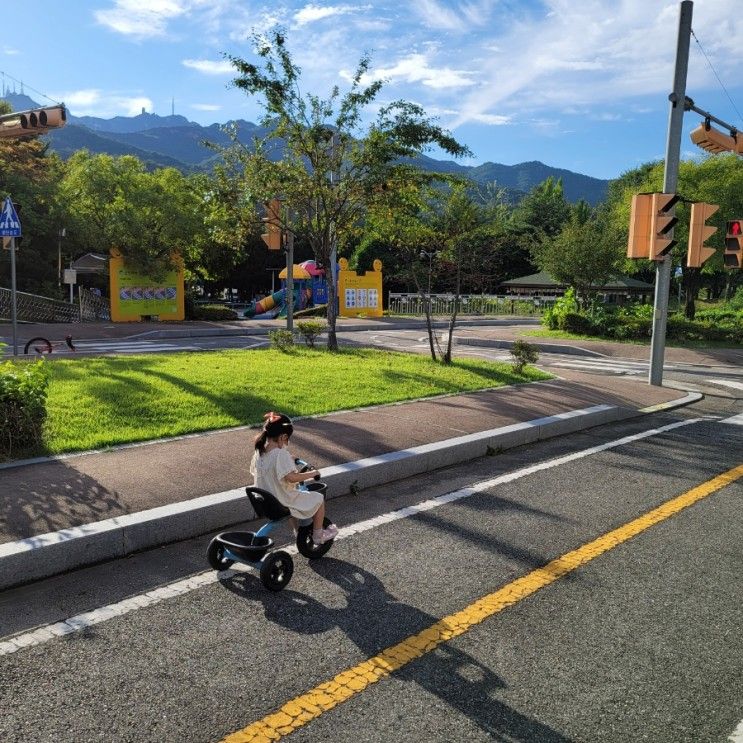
{"type": "Point", "coordinates": [215, 556]}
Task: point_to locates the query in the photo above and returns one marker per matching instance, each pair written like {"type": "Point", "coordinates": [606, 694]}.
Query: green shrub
{"type": "Point", "coordinates": [23, 389]}
{"type": "Point", "coordinates": [554, 317]}
{"type": "Point", "coordinates": [523, 353]}
{"type": "Point", "coordinates": [212, 312]}
{"type": "Point", "coordinates": [283, 340]}
{"type": "Point", "coordinates": [575, 322]}
{"type": "Point", "coordinates": [310, 330]}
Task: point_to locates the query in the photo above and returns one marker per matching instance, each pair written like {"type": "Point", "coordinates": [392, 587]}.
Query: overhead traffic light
{"type": "Point", "coordinates": [714, 141]}
{"type": "Point", "coordinates": [272, 235]}
{"type": "Point", "coordinates": [33, 122]}
{"type": "Point", "coordinates": [638, 245]}
{"type": "Point", "coordinates": [699, 233]}
{"type": "Point", "coordinates": [662, 221]}
{"type": "Point", "coordinates": [733, 257]}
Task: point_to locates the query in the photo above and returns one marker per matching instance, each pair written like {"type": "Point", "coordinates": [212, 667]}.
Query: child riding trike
{"type": "Point", "coordinates": [253, 548]}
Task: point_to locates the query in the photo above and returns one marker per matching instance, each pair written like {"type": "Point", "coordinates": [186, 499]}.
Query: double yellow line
{"type": "Point", "coordinates": [300, 710]}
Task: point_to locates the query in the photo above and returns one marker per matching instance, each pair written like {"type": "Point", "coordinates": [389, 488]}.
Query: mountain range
{"type": "Point", "coordinates": [174, 141]}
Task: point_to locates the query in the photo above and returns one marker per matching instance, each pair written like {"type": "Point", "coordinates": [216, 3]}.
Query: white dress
{"type": "Point", "coordinates": [268, 472]}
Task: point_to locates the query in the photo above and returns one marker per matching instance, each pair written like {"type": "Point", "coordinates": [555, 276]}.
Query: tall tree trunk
{"type": "Point", "coordinates": [455, 311]}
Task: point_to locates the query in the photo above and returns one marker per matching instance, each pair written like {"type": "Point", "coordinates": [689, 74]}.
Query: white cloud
{"type": "Point", "coordinates": [209, 66]}
{"type": "Point", "coordinates": [94, 102]}
{"type": "Point", "coordinates": [416, 69]}
{"type": "Point", "coordinates": [141, 18]}
{"type": "Point", "coordinates": [460, 17]}
{"type": "Point", "coordinates": [10, 51]}
{"type": "Point", "coordinates": [311, 13]}
{"type": "Point", "coordinates": [206, 106]}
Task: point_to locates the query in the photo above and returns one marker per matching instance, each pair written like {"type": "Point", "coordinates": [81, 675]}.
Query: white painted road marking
{"type": "Point", "coordinates": [178, 588]}
{"type": "Point", "coordinates": [737, 736]}
{"type": "Point", "coordinates": [736, 420]}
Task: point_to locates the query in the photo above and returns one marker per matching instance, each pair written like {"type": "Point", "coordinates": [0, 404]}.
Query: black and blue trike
{"type": "Point", "coordinates": [254, 548]}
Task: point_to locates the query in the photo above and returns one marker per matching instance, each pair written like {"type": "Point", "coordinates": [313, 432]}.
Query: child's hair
{"type": "Point", "coordinates": [276, 424]}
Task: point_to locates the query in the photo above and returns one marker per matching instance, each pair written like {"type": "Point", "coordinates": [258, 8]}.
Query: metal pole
{"type": "Point", "coordinates": [13, 313]}
{"type": "Point", "coordinates": [670, 182]}
{"type": "Point", "coordinates": [290, 281]}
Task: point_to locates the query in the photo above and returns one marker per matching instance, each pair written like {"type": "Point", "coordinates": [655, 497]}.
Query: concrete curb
{"type": "Point", "coordinates": [49, 554]}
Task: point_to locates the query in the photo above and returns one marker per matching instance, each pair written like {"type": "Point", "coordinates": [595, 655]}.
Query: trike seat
{"type": "Point", "coordinates": [265, 504]}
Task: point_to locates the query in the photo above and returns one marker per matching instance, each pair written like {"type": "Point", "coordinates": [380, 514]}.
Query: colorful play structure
{"type": "Point", "coordinates": [358, 294]}
{"type": "Point", "coordinates": [310, 289]}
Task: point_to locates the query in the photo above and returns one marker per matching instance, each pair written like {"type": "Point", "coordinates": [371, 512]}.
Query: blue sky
{"type": "Point", "coordinates": [577, 84]}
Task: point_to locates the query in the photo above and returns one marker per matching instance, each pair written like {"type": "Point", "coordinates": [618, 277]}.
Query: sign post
{"type": "Point", "coordinates": [10, 226]}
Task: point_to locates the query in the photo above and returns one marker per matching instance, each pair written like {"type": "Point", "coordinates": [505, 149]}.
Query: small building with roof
{"type": "Point", "coordinates": [618, 290]}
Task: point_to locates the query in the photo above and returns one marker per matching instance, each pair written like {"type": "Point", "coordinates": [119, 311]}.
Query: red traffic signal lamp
{"type": "Point", "coordinates": [33, 122]}
{"type": "Point", "coordinates": [272, 220]}
{"type": "Point", "coordinates": [733, 257]}
{"type": "Point", "coordinates": [699, 232]}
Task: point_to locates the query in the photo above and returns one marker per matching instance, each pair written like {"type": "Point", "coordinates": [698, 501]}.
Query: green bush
{"type": "Point", "coordinates": [283, 340]}
{"type": "Point", "coordinates": [575, 322]}
{"type": "Point", "coordinates": [23, 389]}
{"type": "Point", "coordinates": [554, 317]}
{"type": "Point", "coordinates": [310, 330]}
{"type": "Point", "coordinates": [523, 353]}
{"type": "Point", "coordinates": [212, 312]}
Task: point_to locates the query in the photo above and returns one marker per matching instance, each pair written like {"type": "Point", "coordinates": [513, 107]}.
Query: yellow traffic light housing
{"type": "Point", "coordinates": [33, 122]}
{"type": "Point", "coordinates": [662, 221]}
{"type": "Point", "coordinates": [273, 233]}
{"type": "Point", "coordinates": [699, 233]}
{"type": "Point", "coordinates": [733, 257]}
{"type": "Point", "coordinates": [638, 245]}
{"type": "Point", "coordinates": [713, 141]}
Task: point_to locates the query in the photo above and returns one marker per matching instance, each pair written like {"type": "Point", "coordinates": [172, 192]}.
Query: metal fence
{"type": "Point", "coordinates": [469, 304]}
{"type": "Point", "coordinates": [34, 308]}
{"type": "Point", "coordinates": [93, 307]}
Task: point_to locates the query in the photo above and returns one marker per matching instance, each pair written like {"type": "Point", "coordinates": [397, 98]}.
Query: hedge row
{"type": "Point", "coordinates": [23, 389]}
{"type": "Point", "coordinates": [628, 327]}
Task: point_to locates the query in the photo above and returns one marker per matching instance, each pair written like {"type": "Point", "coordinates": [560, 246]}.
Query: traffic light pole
{"type": "Point", "coordinates": [670, 183]}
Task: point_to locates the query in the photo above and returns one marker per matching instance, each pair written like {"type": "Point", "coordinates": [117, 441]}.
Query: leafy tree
{"type": "Point", "coordinates": [544, 210]}
{"type": "Point", "coordinates": [319, 158]}
{"type": "Point", "coordinates": [113, 202]}
{"type": "Point", "coordinates": [585, 254]}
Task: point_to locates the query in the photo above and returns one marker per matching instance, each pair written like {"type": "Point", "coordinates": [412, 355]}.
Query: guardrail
{"type": "Point", "coordinates": [469, 304]}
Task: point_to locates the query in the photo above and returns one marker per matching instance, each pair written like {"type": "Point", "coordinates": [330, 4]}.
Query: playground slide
{"type": "Point", "coordinates": [268, 307]}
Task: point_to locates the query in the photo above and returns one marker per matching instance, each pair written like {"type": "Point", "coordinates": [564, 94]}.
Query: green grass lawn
{"type": "Point", "coordinates": [99, 402]}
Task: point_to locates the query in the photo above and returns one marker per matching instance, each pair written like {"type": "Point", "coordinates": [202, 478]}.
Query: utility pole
{"type": "Point", "coordinates": [670, 183]}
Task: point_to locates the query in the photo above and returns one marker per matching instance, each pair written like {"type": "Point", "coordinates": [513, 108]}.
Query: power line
{"type": "Point", "coordinates": [732, 103]}
{"type": "Point", "coordinates": [20, 82]}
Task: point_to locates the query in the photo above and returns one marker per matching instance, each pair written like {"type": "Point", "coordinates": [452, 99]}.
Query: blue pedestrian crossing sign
{"type": "Point", "coordinates": [10, 225]}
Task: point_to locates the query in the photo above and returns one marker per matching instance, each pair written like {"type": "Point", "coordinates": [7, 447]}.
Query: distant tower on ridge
{"type": "Point", "coordinates": [172, 106]}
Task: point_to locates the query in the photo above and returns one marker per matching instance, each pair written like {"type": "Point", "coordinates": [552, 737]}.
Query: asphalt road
{"type": "Point", "coordinates": [641, 642]}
